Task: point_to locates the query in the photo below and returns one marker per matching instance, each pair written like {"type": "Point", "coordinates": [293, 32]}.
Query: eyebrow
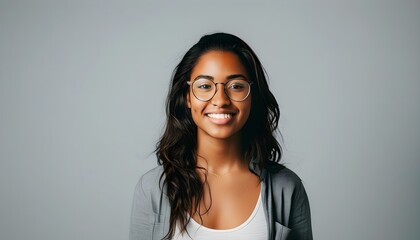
{"type": "Point", "coordinates": [230, 77]}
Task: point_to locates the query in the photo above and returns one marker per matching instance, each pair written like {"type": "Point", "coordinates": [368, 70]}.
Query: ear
{"type": "Point", "coordinates": [188, 100]}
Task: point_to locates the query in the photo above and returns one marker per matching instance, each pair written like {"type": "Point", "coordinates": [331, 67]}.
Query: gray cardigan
{"type": "Point", "coordinates": [283, 195]}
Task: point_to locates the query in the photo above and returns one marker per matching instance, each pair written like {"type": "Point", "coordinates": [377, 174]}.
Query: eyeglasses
{"type": "Point", "coordinates": [236, 89]}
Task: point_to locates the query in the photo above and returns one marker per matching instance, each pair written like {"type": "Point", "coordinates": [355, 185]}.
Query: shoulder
{"type": "Point", "coordinates": [282, 177]}
{"type": "Point", "coordinates": [149, 206]}
{"type": "Point", "coordinates": [150, 182]}
{"type": "Point", "coordinates": [290, 204]}
{"type": "Point", "coordinates": [152, 176]}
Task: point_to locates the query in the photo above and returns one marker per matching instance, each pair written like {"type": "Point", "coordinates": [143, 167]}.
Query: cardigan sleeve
{"type": "Point", "coordinates": [300, 215]}
{"type": "Point", "coordinates": [140, 224]}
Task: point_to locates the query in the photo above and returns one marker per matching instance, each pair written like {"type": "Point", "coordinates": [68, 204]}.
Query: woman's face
{"type": "Point", "coordinates": [220, 117]}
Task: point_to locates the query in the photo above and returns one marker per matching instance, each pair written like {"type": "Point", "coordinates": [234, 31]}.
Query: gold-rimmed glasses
{"type": "Point", "coordinates": [236, 89]}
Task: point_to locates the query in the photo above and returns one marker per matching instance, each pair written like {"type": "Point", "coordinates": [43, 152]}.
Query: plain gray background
{"type": "Point", "coordinates": [83, 84]}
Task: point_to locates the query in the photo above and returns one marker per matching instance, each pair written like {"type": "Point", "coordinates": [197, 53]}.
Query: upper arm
{"type": "Point", "coordinates": [300, 214]}
{"type": "Point", "coordinates": [140, 225]}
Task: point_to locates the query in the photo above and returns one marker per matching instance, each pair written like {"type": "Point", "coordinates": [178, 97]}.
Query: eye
{"type": "Point", "coordinates": [237, 86]}
{"type": "Point", "coordinates": [204, 86]}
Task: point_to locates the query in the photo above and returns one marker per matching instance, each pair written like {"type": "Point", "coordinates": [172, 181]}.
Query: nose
{"type": "Point", "coordinates": [220, 98]}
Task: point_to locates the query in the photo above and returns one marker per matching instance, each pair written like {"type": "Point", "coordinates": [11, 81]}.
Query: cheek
{"type": "Point", "coordinates": [196, 108]}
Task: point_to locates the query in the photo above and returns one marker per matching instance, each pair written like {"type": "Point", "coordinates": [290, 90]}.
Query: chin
{"type": "Point", "coordinates": [222, 135]}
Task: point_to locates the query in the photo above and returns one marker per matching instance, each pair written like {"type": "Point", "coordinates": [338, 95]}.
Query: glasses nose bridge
{"type": "Point", "coordinates": [224, 88]}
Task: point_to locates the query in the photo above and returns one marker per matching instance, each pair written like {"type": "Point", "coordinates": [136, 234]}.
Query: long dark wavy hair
{"type": "Point", "coordinates": [176, 149]}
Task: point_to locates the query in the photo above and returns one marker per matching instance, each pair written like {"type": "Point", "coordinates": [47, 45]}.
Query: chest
{"type": "Point", "coordinates": [228, 204]}
{"type": "Point", "coordinates": [255, 227]}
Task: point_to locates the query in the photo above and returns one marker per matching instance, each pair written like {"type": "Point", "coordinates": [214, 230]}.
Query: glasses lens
{"type": "Point", "coordinates": [203, 89]}
{"type": "Point", "coordinates": [237, 90]}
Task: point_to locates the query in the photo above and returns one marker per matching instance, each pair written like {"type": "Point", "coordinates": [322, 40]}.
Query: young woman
{"type": "Point", "coordinates": [218, 175]}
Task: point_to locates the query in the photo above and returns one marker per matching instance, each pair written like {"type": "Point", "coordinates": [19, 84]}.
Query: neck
{"type": "Point", "coordinates": [220, 155]}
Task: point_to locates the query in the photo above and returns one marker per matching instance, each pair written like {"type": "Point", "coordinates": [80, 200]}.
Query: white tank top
{"type": "Point", "coordinates": [255, 228]}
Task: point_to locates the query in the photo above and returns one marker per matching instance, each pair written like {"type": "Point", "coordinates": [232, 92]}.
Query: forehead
{"type": "Point", "coordinates": [218, 64]}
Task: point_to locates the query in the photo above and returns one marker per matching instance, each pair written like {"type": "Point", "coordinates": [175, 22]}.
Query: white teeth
{"type": "Point", "coordinates": [219, 115]}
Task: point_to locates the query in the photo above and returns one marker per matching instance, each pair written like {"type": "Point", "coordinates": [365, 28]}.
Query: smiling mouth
{"type": "Point", "coordinates": [220, 115]}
